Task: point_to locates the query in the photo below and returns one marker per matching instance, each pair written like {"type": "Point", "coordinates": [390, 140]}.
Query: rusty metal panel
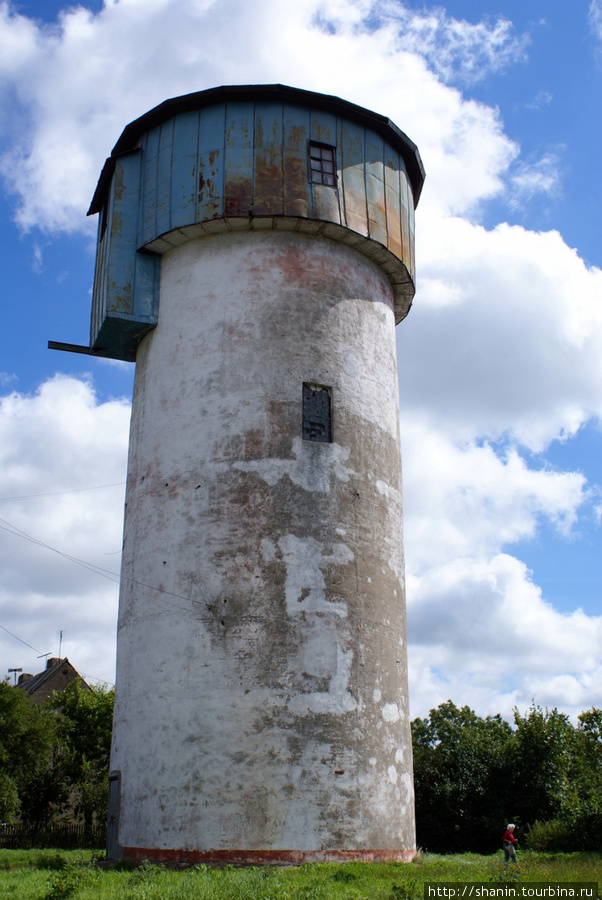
{"type": "Point", "coordinates": [268, 160]}
{"type": "Point", "coordinates": [125, 301]}
{"type": "Point", "coordinates": [325, 204]}
{"type": "Point", "coordinates": [296, 126]}
{"type": "Point", "coordinates": [323, 127]}
{"type": "Point", "coordinates": [406, 199]}
{"type": "Point", "coordinates": [211, 163]}
{"type": "Point", "coordinates": [164, 177]}
{"type": "Point", "coordinates": [123, 228]}
{"type": "Point", "coordinates": [238, 159]}
{"type": "Point", "coordinates": [148, 212]}
{"type": "Point", "coordinates": [375, 187]}
{"type": "Point", "coordinates": [411, 231]}
{"type": "Point", "coordinates": [392, 201]}
{"type": "Point", "coordinates": [352, 177]}
{"type": "Point", "coordinates": [184, 169]}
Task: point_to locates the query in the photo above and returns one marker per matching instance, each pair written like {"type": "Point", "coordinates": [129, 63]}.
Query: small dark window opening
{"type": "Point", "coordinates": [317, 414]}
{"type": "Point", "coordinates": [322, 164]}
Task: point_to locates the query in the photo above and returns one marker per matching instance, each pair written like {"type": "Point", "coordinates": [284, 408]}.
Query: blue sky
{"type": "Point", "coordinates": [500, 359]}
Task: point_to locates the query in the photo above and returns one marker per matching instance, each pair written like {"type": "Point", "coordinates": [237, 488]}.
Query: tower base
{"type": "Point", "coordinates": [264, 857]}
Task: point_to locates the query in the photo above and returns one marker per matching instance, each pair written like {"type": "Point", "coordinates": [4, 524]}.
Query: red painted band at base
{"type": "Point", "coordinates": [264, 857]}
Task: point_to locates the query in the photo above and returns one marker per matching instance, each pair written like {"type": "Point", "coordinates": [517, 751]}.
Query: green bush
{"type": "Point", "coordinates": [554, 836]}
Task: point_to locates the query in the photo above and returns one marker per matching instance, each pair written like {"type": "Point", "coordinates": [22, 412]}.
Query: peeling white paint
{"type": "Point", "coordinates": [392, 773]}
{"type": "Point", "coordinates": [390, 712]}
{"type": "Point", "coordinates": [408, 784]}
{"type": "Point", "coordinates": [391, 493]}
{"type": "Point", "coordinates": [302, 468]}
{"type": "Point", "coordinates": [337, 700]}
{"type": "Point", "coordinates": [395, 561]}
{"type": "Point", "coordinates": [305, 589]}
{"type": "Point", "coordinates": [268, 549]}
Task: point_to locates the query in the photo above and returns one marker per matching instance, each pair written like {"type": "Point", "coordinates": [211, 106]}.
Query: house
{"type": "Point", "coordinates": [58, 674]}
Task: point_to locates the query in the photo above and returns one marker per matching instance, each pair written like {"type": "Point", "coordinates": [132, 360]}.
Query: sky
{"type": "Point", "coordinates": [500, 359]}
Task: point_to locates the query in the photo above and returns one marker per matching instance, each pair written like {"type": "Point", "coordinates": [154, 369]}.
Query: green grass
{"type": "Point", "coordinates": [73, 875]}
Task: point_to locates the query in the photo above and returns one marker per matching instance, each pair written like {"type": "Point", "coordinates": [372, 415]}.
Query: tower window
{"type": "Point", "coordinates": [317, 414]}
{"type": "Point", "coordinates": [322, 164]}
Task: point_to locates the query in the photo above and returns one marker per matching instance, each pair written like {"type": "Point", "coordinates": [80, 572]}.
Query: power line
{"type": "Point", "coordinates": [4, 628]}
{"type": "Point", "coordinates": [98, 570]}
{"type": "Point", "coordinates": [96, 487]}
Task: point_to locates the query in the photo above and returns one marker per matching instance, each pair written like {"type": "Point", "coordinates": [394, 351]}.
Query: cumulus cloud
{"type": "Point", "coordinates": [457, 50]}
{"type": "Point", "coordinates": [509, 645]}
{"type": "Point", "coordinates": [501, 354]}
{"type": "Point", "coordinates": [513, 348]}
{"type": "Point", "coordinates": [544, 176]}
{"type": "Point", "coordinates": [62, 473]}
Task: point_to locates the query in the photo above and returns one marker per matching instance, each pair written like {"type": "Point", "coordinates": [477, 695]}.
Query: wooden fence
{"type": "Point", "coordinates": [60, 837]}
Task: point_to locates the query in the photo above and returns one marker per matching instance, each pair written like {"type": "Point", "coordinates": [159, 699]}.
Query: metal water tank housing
{"type": "Point", "coordinates": [233, 158]}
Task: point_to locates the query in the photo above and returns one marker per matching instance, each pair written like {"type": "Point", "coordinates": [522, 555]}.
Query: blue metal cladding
{"type": "Point", "coordinates": [125, 300]}
{"type": "Point", "coordinates": [230, 164]}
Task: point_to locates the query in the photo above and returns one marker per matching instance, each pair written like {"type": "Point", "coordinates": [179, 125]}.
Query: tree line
{"type": "Point", "coordinates": [472, 775]}
{"type": "Point", "coordinates": [54, 757]}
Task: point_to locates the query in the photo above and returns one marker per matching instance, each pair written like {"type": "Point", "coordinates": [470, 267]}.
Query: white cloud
{"type": "Point", "coordinates": [457, 50]}
{"type": "Point", "coordinates": [595, 19]}
{"type": "Point", "coordinates": [466, 501]}
{"type": "Point", "coordinates": [62, 469]}
{"type": "Point", "coordinates": [544, 176]}
{"type": "Point", "coordinates": [480, 631]}
{"type": "Point", "coordinates": [515, 347]}
{"type": "Point", "coordinates": [485, 637]}
{"type": "Point", "coordinates": [542, 98]}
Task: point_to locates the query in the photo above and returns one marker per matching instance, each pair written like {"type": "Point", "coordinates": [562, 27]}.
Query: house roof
{"type": "Point", "coordinates": [57, 675]}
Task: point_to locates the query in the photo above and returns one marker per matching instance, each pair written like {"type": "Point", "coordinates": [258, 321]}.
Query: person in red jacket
{"type": "Point", "coordinates": [509, 843]}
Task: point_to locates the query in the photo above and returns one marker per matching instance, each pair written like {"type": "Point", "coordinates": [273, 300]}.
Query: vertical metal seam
{"type": "Point", "coordinates": [384, 159]}
{"type": "Point", "coordinates": [366, 210]}
{"type": "Point", "coordinates": [342, 203]}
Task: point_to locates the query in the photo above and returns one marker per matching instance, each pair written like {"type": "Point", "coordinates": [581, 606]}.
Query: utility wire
{"type": "Point", "coordinates": [4, 628]}
{"type": "Point", "coordinates": [96, 487]}
{"type": "Point", "coordinates": [98, 570]}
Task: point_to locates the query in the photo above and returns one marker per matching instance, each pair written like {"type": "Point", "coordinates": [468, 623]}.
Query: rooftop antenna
{"type": "Point", "coordinates": [60, 643]}
{"type": "Point", "coordinates": [15, 673]}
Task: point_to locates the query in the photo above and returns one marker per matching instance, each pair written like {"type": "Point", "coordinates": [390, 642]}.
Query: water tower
{"type": "Point", "coordinates": [255, 251]}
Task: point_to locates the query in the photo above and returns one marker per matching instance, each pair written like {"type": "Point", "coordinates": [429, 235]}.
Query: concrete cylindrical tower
{"type": "Point", "coordinates": [255, 251]}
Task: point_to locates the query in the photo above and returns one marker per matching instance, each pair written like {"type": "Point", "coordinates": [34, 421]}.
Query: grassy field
{"type": "Point", "coordinates": [74, 875]}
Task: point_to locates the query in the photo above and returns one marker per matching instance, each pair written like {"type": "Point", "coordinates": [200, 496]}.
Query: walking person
{"type": "Point", "coordinates": [509, 843]}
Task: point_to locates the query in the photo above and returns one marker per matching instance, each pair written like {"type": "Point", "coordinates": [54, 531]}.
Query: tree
{"type": "Point", "coordinates": [27, 735]}
{"type": "Point", "coordinates": [543, 755]}
{"type": "Point", "coordinates": [83, 725]}
{"type": "Point", "coordinates": [461, 773]}
{"type": "Point", "coordinates": [584, 812]}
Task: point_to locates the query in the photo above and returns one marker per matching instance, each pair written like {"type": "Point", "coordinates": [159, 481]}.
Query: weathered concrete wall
{"type": "Point", "coordinates": [261, 685]}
